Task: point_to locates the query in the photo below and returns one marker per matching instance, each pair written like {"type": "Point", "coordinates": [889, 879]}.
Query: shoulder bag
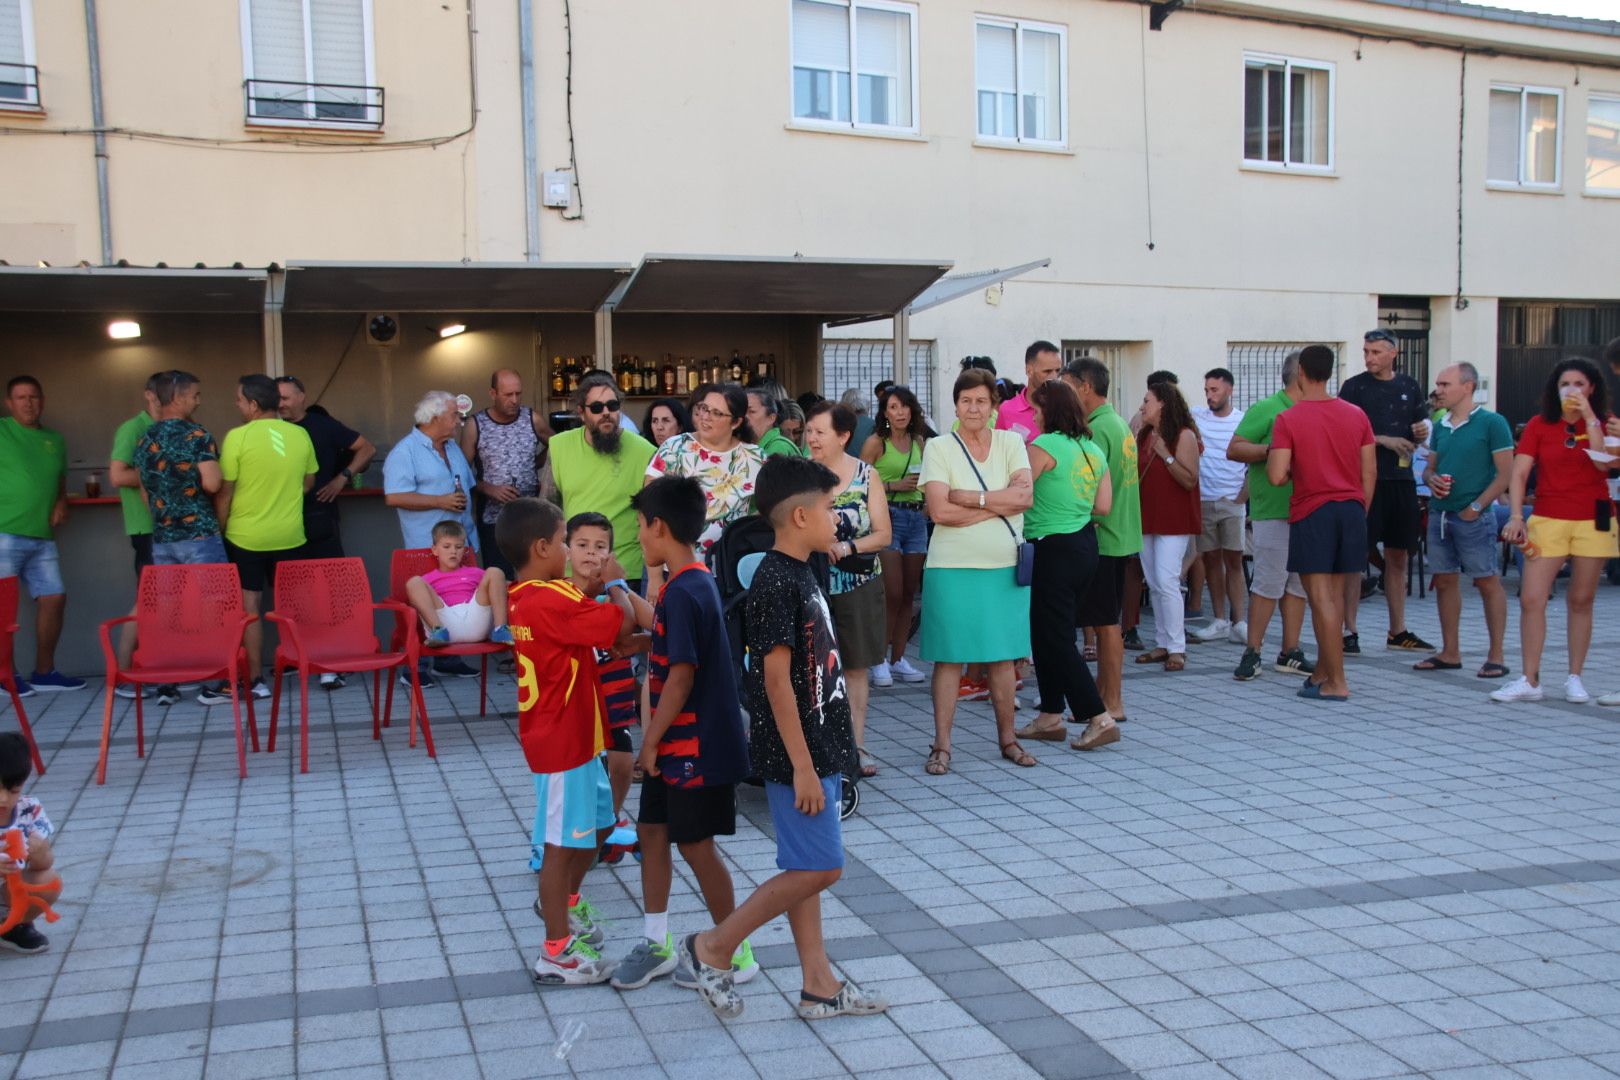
{"type": "Point", "coordinates": [1025, 568]}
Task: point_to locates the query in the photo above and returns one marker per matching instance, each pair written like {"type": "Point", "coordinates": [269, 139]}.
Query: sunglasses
{"type": "Point", "coordinates": [597, 408]}
{"type": "Point", "coordinates": [1576, 433]}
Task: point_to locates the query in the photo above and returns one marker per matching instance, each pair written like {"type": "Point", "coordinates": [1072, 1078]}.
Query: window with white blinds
{"type": "Point", "coordinates": [310, 61]}
{"type": "Point", "coordinates": [879, 88]}
{"type": "Point", "coordinates": [1525, 137]}
{"type": "Point", "coordinates": [1287, 113]}
{"type": "Point", "coordinates": [19, 78]}
{"type": "Point", "coordinates": [1021, 77]}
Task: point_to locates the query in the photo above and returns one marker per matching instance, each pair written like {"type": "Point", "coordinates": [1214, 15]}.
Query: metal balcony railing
{"type": "Point", "coordinates": [19, 86]}
{"type": "Point", "coordinates": [334, 104]}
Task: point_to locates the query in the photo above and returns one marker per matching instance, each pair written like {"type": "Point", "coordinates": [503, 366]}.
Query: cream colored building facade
{"type": "Point", "coordinates": [997, 134]}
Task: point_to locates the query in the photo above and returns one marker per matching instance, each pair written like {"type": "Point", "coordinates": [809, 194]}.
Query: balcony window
{"type": "Point", "coordinates": [19, 78]}
{"type": "Point", "coordinates": [878, 90]}
{"type": "Point", "coordinates": [1021, 78]}
{"type": "Point", "coordinates": [1525, 138]}
{"type": "Point", "coordinates": [309, 64]}
{"type": "Point", "coordinates": [1603, 144]}
{"type": "Point", "coordinates": [1287, 114]}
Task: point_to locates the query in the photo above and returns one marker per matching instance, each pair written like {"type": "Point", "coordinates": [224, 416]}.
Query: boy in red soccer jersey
{"type": "Point", "coordinates": [555, 627]}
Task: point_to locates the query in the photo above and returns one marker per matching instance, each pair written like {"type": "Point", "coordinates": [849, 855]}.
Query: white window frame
{"type": "Point", "coordinates": [31, 103]}
{"type": "Point", "coordinates": [854, 123]}
{"type": "Point", "coordinates": [1018, 27]}
{"type": "Point", "coordinates": [1595, 95]}
{"type": "Point", "coordinates": [1289, 63]}
{"type": "Point", "coordinates": [1524, 90]}
{"type": "Point", "coordinates": [309, 119]}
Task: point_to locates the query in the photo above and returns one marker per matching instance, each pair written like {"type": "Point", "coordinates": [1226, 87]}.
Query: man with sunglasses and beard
{"type": "Point", "coordinates": [597, 467]}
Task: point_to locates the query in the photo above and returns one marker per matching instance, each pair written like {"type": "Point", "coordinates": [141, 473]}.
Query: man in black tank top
{"type": "Point", "coordinates": [504, 443]}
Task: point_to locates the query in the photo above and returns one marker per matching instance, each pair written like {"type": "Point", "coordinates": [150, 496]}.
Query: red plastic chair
{"type": "Point", "coordinates": [8, 629]}
{"type": "Point", "coordinates": [325, 611]}
{"type": "Point", "coordinates": [189, 623]}
{"type": "Point", "coordinates": [407, 563]}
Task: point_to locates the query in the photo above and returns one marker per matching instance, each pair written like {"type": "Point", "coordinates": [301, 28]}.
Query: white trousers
{"type": "Point", "coordinates": [1161, 568]}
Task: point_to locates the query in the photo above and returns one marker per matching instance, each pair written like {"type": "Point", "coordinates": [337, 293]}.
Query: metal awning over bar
{"type": "Point", "coordinates": [956, 286]}
{"type": "Point", "coordinates": [131, 290]}
{"type": "Point", "coordinates": [730, 285]}
{"type": "Point", "coordinates": [529, 287]}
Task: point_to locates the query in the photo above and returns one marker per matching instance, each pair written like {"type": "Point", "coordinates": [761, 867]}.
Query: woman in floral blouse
{"type": "Point", "coordinates": [716, 456]}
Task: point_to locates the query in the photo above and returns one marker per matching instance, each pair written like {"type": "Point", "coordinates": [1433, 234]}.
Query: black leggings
{"type": "Point", "coordinates": [1064, 565]}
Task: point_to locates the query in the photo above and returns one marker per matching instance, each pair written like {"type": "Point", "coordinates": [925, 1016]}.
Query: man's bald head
{"type": "Point", "coordinates": [505, 394]}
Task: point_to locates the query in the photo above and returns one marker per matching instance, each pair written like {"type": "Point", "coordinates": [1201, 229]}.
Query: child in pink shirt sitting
{"type": "Point", "coordinates": [459, 604]}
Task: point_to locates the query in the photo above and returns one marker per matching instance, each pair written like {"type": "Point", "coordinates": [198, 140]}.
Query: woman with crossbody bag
{"type": "Point", "coordinates": [977, 485]}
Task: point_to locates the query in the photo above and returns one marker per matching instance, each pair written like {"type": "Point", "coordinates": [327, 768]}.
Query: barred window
{"type": "Point", "coordinates": [1256, 368]}
{"type": "Point", "coordinates": [864, 364]}
{"type": "Point", "coordinates": [1111, 353]}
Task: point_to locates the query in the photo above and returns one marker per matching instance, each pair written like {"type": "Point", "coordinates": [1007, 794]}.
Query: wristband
{"type": "Point", "coordinates": [619, 582]}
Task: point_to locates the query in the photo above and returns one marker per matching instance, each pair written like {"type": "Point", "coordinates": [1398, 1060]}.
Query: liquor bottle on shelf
{"type": "Point", "coordinates": [736, 371]}
{"type": "Point", "coordinates": [683, 368]}
{"type": "Point", "coordinates": [649, 378]}
{"type": "Point", "coordinates": [770, 366]}
{"type": "Point", "coordinates": [623, 374]}
{"type": "Point", "coordinates": [667, 376]}
{"type": "Point", "coordinates": [762, 370]}
{"type": "Point", "coordinates": [694, 375]}
{"type": "Point", "coordinates": [632, 374]}
{"type": "Point", "coordinates": [571, 375]}
{"type": "Point", "coordinates": [559, 378]}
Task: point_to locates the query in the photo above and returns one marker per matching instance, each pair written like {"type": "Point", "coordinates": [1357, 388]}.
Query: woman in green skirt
{"type": "Point", "coordinates": [977, 485]}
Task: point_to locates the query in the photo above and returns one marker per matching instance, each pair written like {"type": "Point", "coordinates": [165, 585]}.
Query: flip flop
{"type": "Point", "coordinates": [1493, 671]}
{"type": "Point", "coordinates": [1154, 656]}
{"type": "Point", "coordinates": [1313, 691]}
{"type": "Point", "coordinates": [1434, 663]}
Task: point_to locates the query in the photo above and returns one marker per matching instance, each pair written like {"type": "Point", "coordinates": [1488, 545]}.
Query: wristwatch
{"type": "Point", "coordinates": [1476, 508]}
{"type": "Point", "coordinates": [981, 500]}
{"type": "Point", "coordinates": [619, 582]}
{"type": "Point", "coordinates": [348, 474]}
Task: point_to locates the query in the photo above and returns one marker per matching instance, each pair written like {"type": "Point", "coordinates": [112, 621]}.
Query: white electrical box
{"type": "Point", "coordinates": [556, 188]}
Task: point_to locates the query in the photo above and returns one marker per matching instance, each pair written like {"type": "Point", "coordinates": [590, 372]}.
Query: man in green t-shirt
{"type": "Point", "coordinates": [267, 464]}
{"type": "Point", "coordinates": [596, 468]}
{"type": "Point", "coordinates": [1268, 524]}
{"type": "Point", "coordinates": [1119, 532]}
{"type": "Point", "coordinates": [33, 502]}
{"type": "Point", "coordinates": [126, 478]}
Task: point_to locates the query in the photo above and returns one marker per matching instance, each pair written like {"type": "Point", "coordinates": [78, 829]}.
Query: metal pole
{"type": "Point", "coordinates": [103, 200]}
{"type": "Point", "coordinates": [531, 149]}
{"type": "Point", "coordinates": [275, 351]}
{"type": "Point", "coordinates": [902, 344]}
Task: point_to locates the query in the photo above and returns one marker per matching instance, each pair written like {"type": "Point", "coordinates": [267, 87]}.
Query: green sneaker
{"type": "Point", "coordinates": [646, 962]}
{"type": "Point", "coordinates": [1248, 667]}
{"type": "Point", "coordinates": [743, 968]}
{"type": "Point", "coordinates": [582, 924]}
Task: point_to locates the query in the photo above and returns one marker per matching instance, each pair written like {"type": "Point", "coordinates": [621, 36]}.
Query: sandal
{"type": "Point", "coordinates": [1493, 671]}
{"type": "Point", "coordinates": [869, 765]}
{"type": "Point", "coordinates": [1020, 757]}
{"type": "Point", "coordinates": [938, 763]}
{"type": "Point", "coordinates": [1090, 654]}
{"type": "Point", "coordinates": [1153, 656]}
{"type": "Point", "coordinates": [1051, 733]}
{"type": "Point", "coordinates": [1094, 737]}
{"type": "Point", "coordinates": [1434, 663]}
{"type": "Point", "coordinates": [1175, 661]}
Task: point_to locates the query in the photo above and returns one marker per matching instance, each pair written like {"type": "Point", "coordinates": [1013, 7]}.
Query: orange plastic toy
{"type": "Point", "coordinates": [20, 893]}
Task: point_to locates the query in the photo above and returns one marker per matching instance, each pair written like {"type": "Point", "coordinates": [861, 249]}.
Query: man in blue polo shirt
{"type": "Point", "coordinates": [1469, 466]}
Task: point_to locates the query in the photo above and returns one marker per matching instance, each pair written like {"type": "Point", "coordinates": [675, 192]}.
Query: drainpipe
{"type": "Point", "coordinates": [531, 150]}
{"type": "Point", "coordinates": [103, 203]}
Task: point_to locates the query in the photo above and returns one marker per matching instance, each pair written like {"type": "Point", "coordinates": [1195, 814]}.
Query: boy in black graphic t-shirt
{"type": "Point", "coordinates": [800, 744]}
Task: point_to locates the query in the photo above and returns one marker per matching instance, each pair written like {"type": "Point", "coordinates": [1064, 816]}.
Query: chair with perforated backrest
{"type": "Point", "coordinates": [189, 623]}
{"type": "Point", "coordinates": [407, 563]}
{"type": "Point", "coordinates": [325, 612]}
{"type": "Point", "coordinates": [8, 676]}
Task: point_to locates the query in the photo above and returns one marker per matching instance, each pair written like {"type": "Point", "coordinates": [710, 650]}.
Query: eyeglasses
{"type": "Point", "coordinates": [1576, 434]}
{"type": "Point", "coordinates": [597, 408]}
{"type": "Point", "coordinates": [701, 409]}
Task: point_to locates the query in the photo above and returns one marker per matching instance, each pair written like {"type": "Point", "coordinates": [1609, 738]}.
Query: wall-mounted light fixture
{"type": "Point", "coordinates": [452, 329]}
{"type": "Point", "coordinates": [123, 329]}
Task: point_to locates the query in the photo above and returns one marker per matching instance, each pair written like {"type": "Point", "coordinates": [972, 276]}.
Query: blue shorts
{"type": "Point", "coordinates": [804, 842]}
{"type": "Point", "coordinates": [207, 549]}
{"type": "Point", "coordinates": [1332, 539]}
{"type": "Point", "coordinates": [1463, 547]}
{"type": "Point", "coordinates": [569, 808]}
{"type": "Point", "coordinates": [910, 527]}
{"type": "Point", "coordinates": [34, 561]}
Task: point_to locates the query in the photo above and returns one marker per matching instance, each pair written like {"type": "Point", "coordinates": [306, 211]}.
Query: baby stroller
{"type": "Point", "coordinates": [733, 559]}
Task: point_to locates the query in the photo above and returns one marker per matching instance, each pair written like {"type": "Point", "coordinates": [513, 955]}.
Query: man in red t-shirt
{"type": "Point", "coordinates": [556, 629]}
{"type": "Point", "coordinates": [1325, 447]}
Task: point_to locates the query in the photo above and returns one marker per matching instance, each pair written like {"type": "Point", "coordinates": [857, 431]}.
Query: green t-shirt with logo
{"type": "Point", "coordinates": [267, 460]}
{"type": "Point", "coordinates": [1267, 501]}
{"type": "Point", "coordinates": [1065, 493]}
{"type": "Point", "coordinates": [32, 464]}
{"type": "Point", "coordinates": [137, 518]}
{"type": "Point", "coordinates": [1119, 532]}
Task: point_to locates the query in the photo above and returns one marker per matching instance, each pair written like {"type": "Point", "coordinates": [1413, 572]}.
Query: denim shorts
{"type": "Point", "coordinates": [34, 561]}
{"type": "Point", "coordinates": [206, 549]}
{"type": "Point", "coordinates": [910, 527]}
{"type": "Point", "coordinates": [804, 842]}
{"type": "Point", "coordinates": [1463, 547]}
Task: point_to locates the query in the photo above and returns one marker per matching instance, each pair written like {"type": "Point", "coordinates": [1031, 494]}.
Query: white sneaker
{"type": "Point", "coordinates": [1239, 634]}
{"type": "Point", "coordinates": [1610, 699]}
{"type": "Point", "coordinates": [1575, 691]}
{"type": "Point", "coordinates": [1213, 632]}
{"type": "Point", "coordinates": [880, 676]}
{"type": "Point", "coordinates": [906, 673]}
{"type": "Point", "coordinates": [1517, 690]}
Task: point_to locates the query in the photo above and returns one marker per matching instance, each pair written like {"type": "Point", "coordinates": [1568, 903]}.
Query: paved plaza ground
{"type": "Point", "coordinates": [1250, 885]}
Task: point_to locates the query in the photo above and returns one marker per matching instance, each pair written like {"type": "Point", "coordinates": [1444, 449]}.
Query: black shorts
{"type": "Point", "coordinates": [1332, 539]}
{"type": "Point", "coordinates": [618, 738]}
{"type": "Point", "coordinates": [692, 814]}
{"type": "Point", "coordinates": [1100, 604]}
{"type": "Point", "coordinates": [1394, 519]}
{"type": "Point", "coordinates": [142, 543]}
{"type": "Point", "coordinates": [257, 569]}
